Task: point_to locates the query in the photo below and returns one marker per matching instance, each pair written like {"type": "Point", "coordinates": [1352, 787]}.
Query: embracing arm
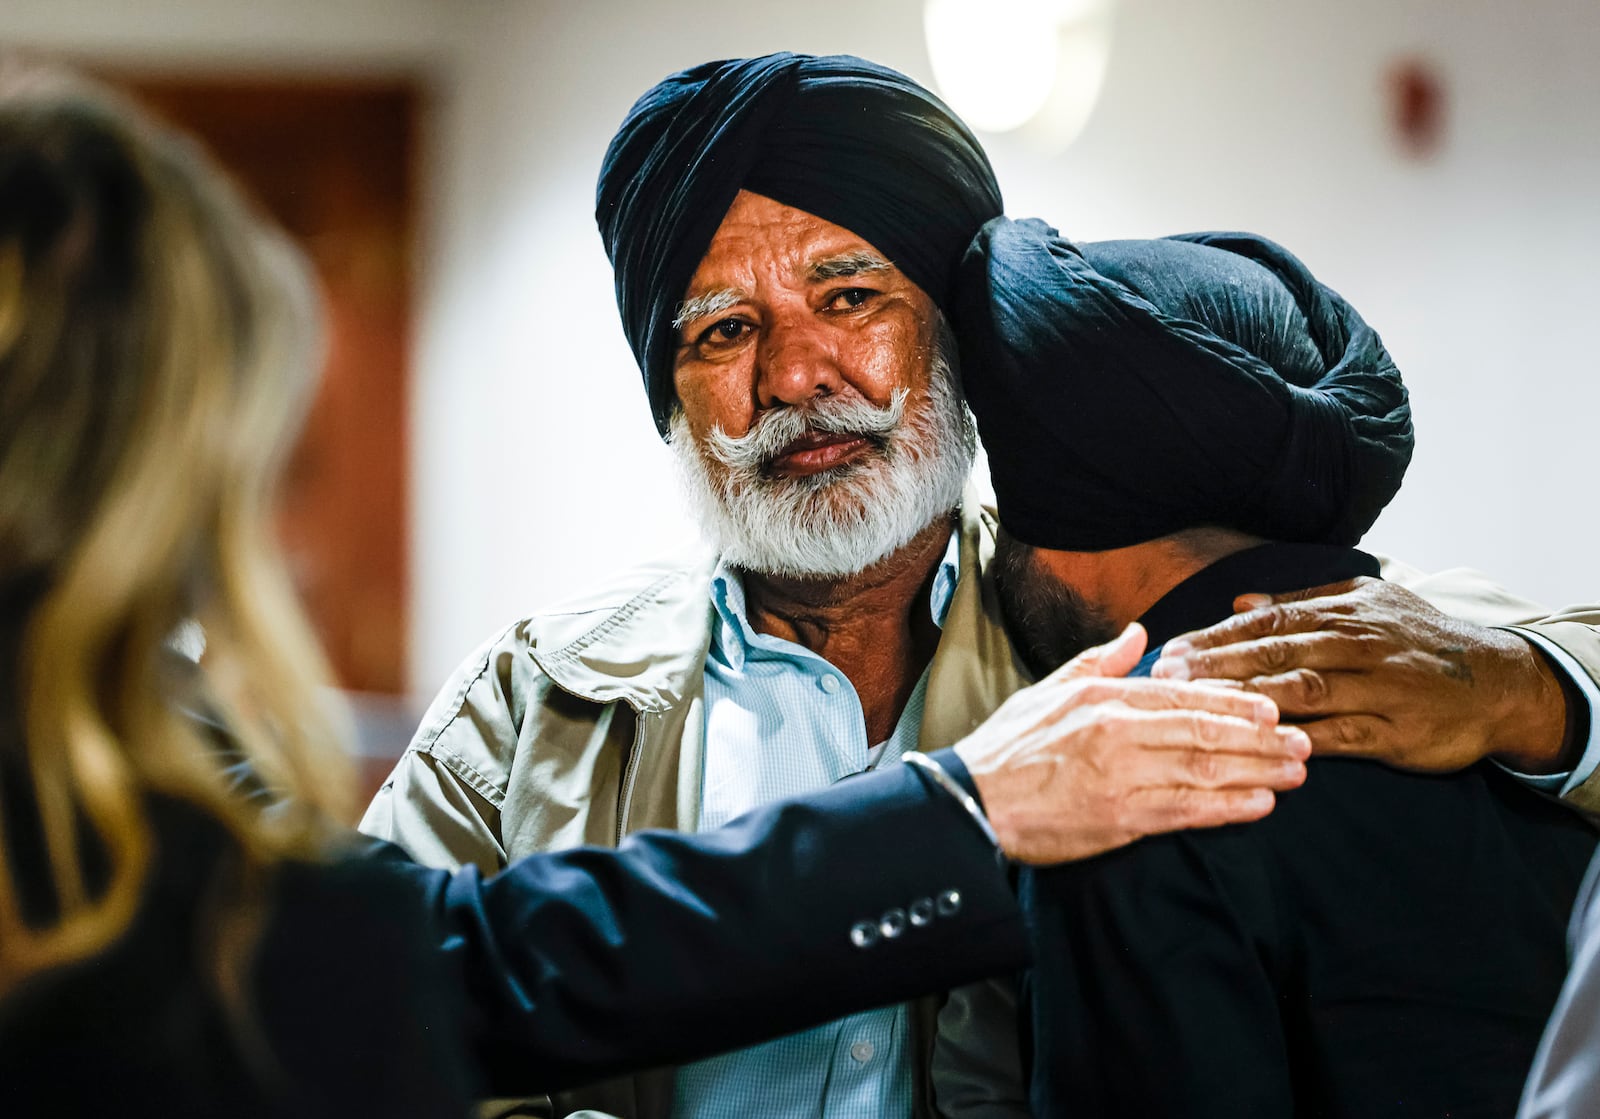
{"type": "Point", "coordinates": [1434, 678]}
{"type": "Point", "coordinates": [590, 961]}
{"type": "Point", "coordinates": [1570, 643]}
{"type": "Point", "coordinates": [585, 963]}
{"type": "Point", "coordinates": [1546, 686]}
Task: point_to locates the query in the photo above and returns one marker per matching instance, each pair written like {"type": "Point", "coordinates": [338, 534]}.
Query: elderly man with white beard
{"type": "Point", "coordinates": [804, 372]}
{"type": "Point", "coordinates": [784, 232]}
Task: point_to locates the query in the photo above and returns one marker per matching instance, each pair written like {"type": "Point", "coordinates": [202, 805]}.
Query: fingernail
{"type": "Point", "coordinates": [1177, 647]}
{"type": "Point", "coordinates": [1299, 741]}
{"type": "Point", "coordinates": [1253, 601]}
{"type": "Point", "coordinates": [1170, 668]}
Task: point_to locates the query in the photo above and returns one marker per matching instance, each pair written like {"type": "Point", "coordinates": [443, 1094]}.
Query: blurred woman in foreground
{"type": "Point", "coordinates": [164, 946]}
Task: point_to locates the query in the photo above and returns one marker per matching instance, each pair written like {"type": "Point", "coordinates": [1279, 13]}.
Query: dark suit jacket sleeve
{"type": "Point", "coordinates": [1152, 994]}
{"type": "Point", "coordinates": [585, 963]}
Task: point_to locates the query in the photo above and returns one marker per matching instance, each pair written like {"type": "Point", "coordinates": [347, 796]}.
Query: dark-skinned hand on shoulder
{"type": "Point", "coordinates": [1369, 669]}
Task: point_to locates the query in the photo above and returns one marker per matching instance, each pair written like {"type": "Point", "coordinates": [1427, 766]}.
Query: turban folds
{"type": "Point", "coordinates": [843, 139]}
{"type": "Point", "coordinates": [1126, 390]}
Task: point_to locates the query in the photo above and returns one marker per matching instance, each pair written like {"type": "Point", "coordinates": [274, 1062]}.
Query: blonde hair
{"type": "Point", "coordinates": [156, 356]}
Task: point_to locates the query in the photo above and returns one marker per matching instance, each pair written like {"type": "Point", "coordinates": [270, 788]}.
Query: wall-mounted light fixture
{"type": "Point", "coordinates": [1004, 64]}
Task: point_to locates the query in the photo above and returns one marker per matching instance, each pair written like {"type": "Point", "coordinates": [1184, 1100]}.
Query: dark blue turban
{"type": "Point", "coordinates": [1126, 390]}
{"type": "Point", "coordinates": [843, 139]}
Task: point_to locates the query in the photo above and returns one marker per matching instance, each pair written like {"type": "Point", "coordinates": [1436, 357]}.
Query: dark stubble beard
{"type": "Point", "coordinates": [1049, 622]}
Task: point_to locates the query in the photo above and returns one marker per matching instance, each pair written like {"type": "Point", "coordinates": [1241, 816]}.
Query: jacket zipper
{"type": "Point", "coordinates": [630, 776]}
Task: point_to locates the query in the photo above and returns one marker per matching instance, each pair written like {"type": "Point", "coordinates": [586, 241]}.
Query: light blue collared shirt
{"type": "Point", "coordinates": [781, 720]}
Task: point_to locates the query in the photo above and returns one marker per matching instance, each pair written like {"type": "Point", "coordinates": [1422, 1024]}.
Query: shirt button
{"type": "Point", "coordinates": [829, 683]}
{"type": "Point", "coordinates": [864, 934]}
{"type": "Point", "coordinates": [861, 1052]}
{"type": "Point", "coordinates": [949, 903]}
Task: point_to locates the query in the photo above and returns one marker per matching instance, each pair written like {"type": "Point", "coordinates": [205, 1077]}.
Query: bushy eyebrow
{"type": "Point", "coordinates": [859, 262]}
{"type": "Point", "coordinates": [711, 303]}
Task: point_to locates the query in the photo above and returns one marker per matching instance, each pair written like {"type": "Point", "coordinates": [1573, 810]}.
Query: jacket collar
{"type": "Point", "coordinates": [734, 638]}
{"type": "Point", "coordinates": [975, 668]}
{"type": "Point", "coordinates": [1206, 597]}
{"type": "Point", "coordinates": [644, 641]}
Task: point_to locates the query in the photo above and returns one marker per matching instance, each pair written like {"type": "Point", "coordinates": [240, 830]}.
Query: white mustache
{"type": "Point", "coordinates": [775, 430]}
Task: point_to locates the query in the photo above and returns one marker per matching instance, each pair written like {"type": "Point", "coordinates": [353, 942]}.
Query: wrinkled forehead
{"type": "Point", "coordinates": [760, 235]}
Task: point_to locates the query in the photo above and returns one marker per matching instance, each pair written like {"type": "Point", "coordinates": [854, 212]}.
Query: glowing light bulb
{"type": "Point", "coordinates": [1003, 63]}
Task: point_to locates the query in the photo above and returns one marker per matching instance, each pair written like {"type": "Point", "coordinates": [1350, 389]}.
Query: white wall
{"type": "Point", "coordinates": [426, 39]}
{"type": "Point", "coordinates": [536, 467]}
{"type": "Point", "coordinates": [1475, 267]}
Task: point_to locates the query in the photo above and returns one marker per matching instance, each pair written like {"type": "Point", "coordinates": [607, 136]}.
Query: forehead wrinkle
{"type": "Point", "coordinates": [708, 303]}
{"type": "Point", "coordinates": [855, 262]}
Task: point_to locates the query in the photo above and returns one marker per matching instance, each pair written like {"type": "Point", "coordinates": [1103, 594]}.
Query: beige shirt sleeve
{"type": "Point", "coordinates": [1464, 593]}
{"type": "Point", "coordinates": [1474, 597]}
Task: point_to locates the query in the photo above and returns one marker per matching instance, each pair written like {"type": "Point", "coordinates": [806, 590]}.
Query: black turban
{"type": "Point", "coordinates": [1126, 390]}
{"type": "Point", "coordinates": [843, 139]}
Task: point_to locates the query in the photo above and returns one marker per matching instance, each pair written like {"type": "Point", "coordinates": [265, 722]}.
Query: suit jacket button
{"type": "Point", "coordinates": [949, 903]}
{"type": "Point", "coordinates": [921, 912]}
{"type": "Point", "coordinates": [864, 934]}
{"type": "Point", "coordinates": [893, 923]}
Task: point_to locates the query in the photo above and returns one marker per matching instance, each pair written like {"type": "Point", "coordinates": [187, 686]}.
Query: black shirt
{"type": "Point", "coordinates": [1383, 944]}
{"type": "Point", "coordinates": [343, 1009]}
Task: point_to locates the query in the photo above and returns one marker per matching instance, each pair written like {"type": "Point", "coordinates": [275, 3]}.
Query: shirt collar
{"type": "Point", "coordinates": [734, 637]}
{"type": "Point", "coordinates": [1206, 597]}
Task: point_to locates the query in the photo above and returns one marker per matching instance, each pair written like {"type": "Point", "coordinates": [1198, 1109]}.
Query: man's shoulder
{"type": "Point", "coordinates": [631, 637]}
{"type": "Point", "coordinates": [642, 593]}
{"type": "Point", "coordinates": [541, 695]}
{"type": "Point", "coordinates": [1463, 592]}
{"type": "Point", "coordinates": [616, 590]}
{"type": "Point", "coordinates": [656, 587]}
{"type": "Point", "coordinates": [1356, 821]}
{"type": "Point", "coordinates": [1359, 854]}
{"type": "Point", "coordinates": [1354, 809]}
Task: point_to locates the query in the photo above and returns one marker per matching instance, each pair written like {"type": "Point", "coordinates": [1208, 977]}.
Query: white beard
{"type": "Point", "coordinates": [845, 519]}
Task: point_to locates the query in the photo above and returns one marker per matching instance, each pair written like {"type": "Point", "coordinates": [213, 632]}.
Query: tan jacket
{"type": "Point", "coordinates": [586, 723]}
